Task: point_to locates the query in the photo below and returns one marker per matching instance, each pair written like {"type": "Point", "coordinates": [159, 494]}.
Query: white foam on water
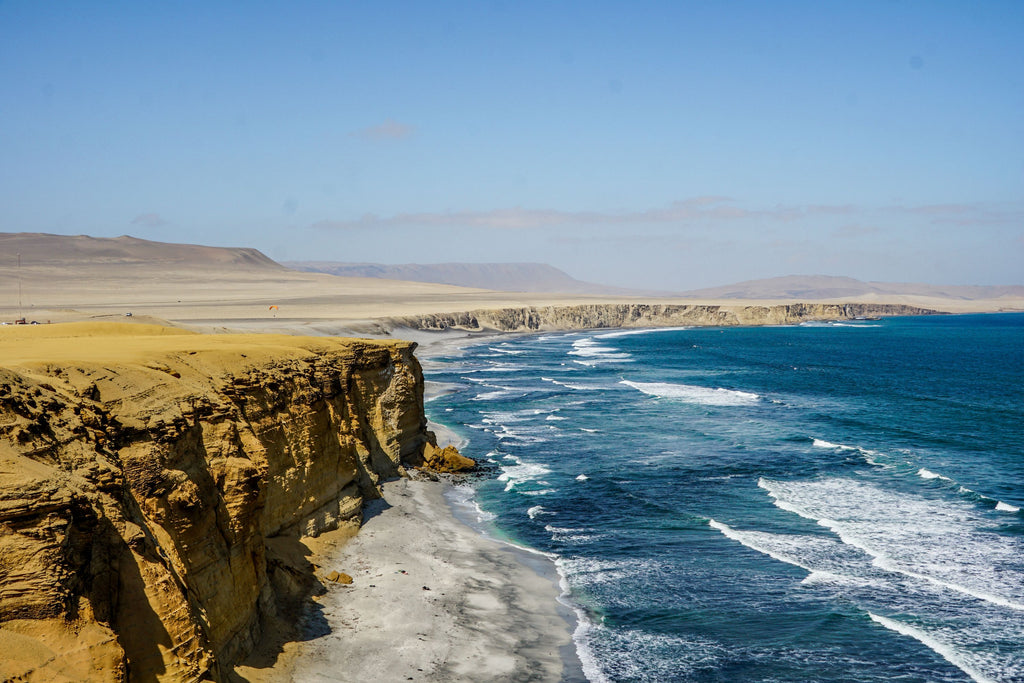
{"type": "Point", "coordinates": [999, 505]}
{"type": "Point", "coordinates": [637, 655]}
{"type": "Point", "coordinates": [870, 456]}
{"type": "Point", "coordinates": [555, 417]}
{"type": "Point", "coordinates": [589, 347]}
{"type": "Point", "coordinates": [571, 535]}
{"type": "Point", "coordinates": [465, 497]}
{"type": "Point", "coordinates": [609, 655]}
{"type": "Point", "coordinates": [521, 473]}
{"type": "Point", "coordinates": [820, 556]}
{"type": "Point", "coordinates": [511, 352]}
{"type": "Point", "coordinates": [755, 541]}
{"type": "Point", "coordinates": [944, 542]}
{"type": "Point", "coordinates": [588, 431]}
{"type": "Point", "coordinates": [819, 443]}
{"type": "Point", "coordinates": [585, 653]}
{"type": "Point", "coordinates": [947, 652]}
{"type": "Point", "coordinates": [504, 367]}
{"type": "Point", "coordinates": [541, 492]}
{"type": "Point", "coordinates": [980, 632]}
{"type": "Point", "coordinates": [592, 353]}
{"type": "Point", "coordinates": [694, 394]}
{"type": "Point", "coordinates": [928, 474]}
{"type": "Point", "coordinates": [842, 580]}
{"type": "Point", "coordinates": [590, 571]}
{"type": "Point", "coordinates": [536, 511]}
{"type": "Point", "coordinates": [630, 333]}
{"type": "Point", "coordinates": [572, 385]}
{"type": "Point", "coordinates": [500, 392]}
{"type": "Point", "coordinates": [831, 323]}
{"type": "Point", "coordinates": [512, 416]}
{"type": "Point", "coordinates": [582, 477]}
{"type": "Point", "coordinates": [584, 627]}
{"type": "Point", "coordinates": [504, 433]}
{"type": "Point", "coordinates": [518, 427]}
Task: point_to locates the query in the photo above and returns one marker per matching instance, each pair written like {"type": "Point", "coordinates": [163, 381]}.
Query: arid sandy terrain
{"type": "Point", "coordinates": [81, 278]}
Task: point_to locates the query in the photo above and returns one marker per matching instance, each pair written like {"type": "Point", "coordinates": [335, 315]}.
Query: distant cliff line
{"type": "Point", "coordinates": [599, 316]}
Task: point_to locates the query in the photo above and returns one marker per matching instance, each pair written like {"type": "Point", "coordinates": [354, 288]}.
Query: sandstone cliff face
{"type": "Point", "coordinates": [150, 487]}
{"type": "Point", "coordinates": [591, 316]}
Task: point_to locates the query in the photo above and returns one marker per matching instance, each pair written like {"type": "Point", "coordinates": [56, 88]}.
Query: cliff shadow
{"type": "Point", "coordinates": [372, 508]}
{"type": "Point", "coordinates": [288, 613]}
{"type": "Point", "coordinates": [140, 630]}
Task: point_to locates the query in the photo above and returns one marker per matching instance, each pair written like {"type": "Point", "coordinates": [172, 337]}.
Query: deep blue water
{"type": "Point", "coordinates": [813, 503]}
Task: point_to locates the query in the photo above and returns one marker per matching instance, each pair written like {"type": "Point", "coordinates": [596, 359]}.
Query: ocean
{"type": "Point", "coordinates": [822, 502]}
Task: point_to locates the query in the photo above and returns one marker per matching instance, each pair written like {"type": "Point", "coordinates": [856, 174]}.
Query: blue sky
{"type": "Point", "coordinates": [664, 145]}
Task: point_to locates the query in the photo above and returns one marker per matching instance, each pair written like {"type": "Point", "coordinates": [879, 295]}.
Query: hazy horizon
{"type": "Point", "coordinates": [669, 146]}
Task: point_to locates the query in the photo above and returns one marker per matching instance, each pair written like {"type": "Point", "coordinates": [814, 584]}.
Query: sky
{"type": "Point", "coordinates": [669, 145]}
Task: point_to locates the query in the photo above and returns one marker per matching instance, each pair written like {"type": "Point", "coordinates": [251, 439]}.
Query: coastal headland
{"type": "Point", "coordinates": [156, 485]}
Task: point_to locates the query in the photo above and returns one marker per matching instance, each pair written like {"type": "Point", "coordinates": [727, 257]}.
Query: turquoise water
{"type": "Point", "coordinates": [830, 502]}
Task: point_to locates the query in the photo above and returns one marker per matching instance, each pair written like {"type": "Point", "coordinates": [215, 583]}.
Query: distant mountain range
{"type": "Point", "coordinates": [502, 277]}
{"type": "Point", "coordinates": [804, 287]}
{"type": "Point", "coordinates": [540, 277]}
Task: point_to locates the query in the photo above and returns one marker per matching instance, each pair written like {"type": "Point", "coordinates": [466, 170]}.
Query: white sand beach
{"type": "Point", "coordinates": [431, 600]}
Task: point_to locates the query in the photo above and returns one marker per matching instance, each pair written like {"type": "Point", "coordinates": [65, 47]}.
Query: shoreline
{"type": "Point", "coordinates": [432, 599]}
{"type": "Point", "coordinates": [430, 345]}
{"type": "Point", "coordinates": [494, 611]}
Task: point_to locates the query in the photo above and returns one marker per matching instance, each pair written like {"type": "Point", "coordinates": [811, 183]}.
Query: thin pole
{"type": "Point", "coordinates": [21, 311]}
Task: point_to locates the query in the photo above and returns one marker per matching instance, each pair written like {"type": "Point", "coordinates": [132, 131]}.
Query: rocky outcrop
{"type": "Point", "coordinates": [446, 460]}
{"type": "Point", "coordinates": [593, 316]}
{"type": "Point", "coordinates": [154, 486]}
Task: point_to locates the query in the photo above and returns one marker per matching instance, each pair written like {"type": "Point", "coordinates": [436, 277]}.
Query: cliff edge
{"type": "Point", "coordinates": [602, 315]}
{"type": "Point", "coordinates": [155, 483]}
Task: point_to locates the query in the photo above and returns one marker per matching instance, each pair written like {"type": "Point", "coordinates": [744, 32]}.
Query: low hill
{"type": "Point", "coordinates": [41, 250]}
{"type": "Point", "coordinates": [501, 277]}
{"type": "Point", "coordinates": [815, 287]}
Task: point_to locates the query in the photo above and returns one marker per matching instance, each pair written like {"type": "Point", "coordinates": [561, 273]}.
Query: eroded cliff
{"type": "Point", "coordinates": [154, 484]}
{"type": "Point", "coordinates": [591, 316]}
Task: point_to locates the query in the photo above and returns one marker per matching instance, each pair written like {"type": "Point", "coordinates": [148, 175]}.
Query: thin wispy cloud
{"type": "Point", "coordinates": [148, 220]}
{"type": "Point", "coordinates": [704, 209]}
{"type": "Point", "coordinates": [388, 130]}
{"type": "Point", "coordinates": [967, 215]}
{"type": "Point", "coordinates": [694, 212]}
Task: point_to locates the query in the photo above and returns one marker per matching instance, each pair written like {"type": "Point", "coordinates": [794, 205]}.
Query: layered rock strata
{"type": "Point", "coordinates": [155, 484]}
{"type": "Point", "coordinates": [592, 316]}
